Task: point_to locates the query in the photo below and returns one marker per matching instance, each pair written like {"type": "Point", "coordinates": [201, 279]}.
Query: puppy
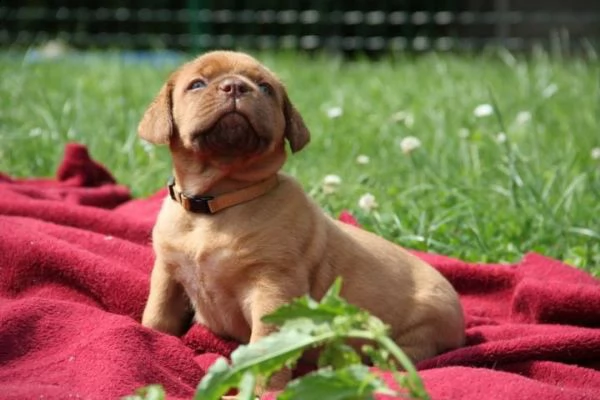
{"type": "Point", "coordinates": [236, 238]}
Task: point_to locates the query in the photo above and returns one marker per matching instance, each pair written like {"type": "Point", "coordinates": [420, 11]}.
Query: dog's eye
{"type": "Point", "coordinates": [266, 88]}
{"type": "Point", "coordinates": [197, 84]}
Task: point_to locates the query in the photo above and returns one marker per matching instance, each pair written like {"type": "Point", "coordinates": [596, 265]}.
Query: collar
{"type": "Point", "coordinates": [203, 204]}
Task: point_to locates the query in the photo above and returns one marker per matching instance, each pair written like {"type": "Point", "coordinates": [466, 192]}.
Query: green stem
{"type": "Point", "coordinates": [390, 345]}
{"type": "Point", "coordinates": [393, 348]}
{"type": "Point", "coordinates": [414, 382]}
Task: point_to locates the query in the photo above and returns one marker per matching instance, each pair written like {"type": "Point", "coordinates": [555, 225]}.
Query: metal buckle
{"type": "Point", "coordinates": [197, 204]}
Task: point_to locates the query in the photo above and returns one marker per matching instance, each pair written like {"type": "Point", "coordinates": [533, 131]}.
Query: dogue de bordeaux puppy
{"type": "Point", "coordinates": [236, 238]}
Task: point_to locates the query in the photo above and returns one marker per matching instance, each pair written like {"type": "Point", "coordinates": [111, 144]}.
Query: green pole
{"type": "Point", "coordinates": [197, 27]}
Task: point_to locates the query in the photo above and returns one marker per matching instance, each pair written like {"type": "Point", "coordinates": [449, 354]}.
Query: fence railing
{"type": "Point", "coordinates": [310, 24]}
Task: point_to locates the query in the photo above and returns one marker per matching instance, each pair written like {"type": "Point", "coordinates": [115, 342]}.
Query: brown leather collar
{"type": "Point", "coordinates": [212, 204]}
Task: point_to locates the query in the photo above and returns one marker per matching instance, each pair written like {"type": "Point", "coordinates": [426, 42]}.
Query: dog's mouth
{"type": "Point", "coordinates": [232, 135]}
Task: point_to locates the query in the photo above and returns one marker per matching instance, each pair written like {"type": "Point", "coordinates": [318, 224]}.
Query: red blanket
{"type": "Point", "coordinates": [74, 266]}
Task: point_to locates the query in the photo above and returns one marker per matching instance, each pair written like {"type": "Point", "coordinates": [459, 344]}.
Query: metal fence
{"type": "Point", "coordinates": [351, 25]}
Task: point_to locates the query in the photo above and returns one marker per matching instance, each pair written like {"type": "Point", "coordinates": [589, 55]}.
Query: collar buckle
{"type": "Point", "coordinates": [196, 204]}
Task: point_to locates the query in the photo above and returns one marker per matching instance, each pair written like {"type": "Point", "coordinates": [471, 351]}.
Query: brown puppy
{"type": "Point", "coordinates": [226, 118]}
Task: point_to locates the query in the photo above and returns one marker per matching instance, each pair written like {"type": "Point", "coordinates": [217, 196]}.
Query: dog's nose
{"type": "Point", "coordinates": [234, 87]}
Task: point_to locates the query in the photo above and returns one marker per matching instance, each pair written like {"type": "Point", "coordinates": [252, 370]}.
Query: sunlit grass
{"type": "Point", "coordinates": [505, 162]}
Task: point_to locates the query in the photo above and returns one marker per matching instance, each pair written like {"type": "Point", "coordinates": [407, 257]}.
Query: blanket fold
{"type": "Point", "coordinates": [75, 259]}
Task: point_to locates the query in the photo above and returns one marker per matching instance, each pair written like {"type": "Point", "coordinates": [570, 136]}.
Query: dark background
{"type": "Point", "coordinates": [358, 25]}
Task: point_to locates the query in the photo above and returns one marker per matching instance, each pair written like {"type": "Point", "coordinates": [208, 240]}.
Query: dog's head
{"type": "Point", "coordinates": [224, 105]}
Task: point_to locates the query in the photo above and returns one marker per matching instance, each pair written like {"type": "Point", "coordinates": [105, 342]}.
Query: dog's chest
{"type": "Point", "coordinates": [204, 276]}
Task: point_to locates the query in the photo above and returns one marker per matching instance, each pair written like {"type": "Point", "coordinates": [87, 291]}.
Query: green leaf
{"type": "Point", "coordinates": [330, 306]}
{"type": "Point", "coordinates": [150, 392]}
{"type": "Point", "coordinates": [246, 388]}
{"type": "Point", "coordinates": [306, 323]}
{"type": "Point", "coordinates": [218, 380]}
{"type": "Point", "coordinates": [334, 290]}
{"type": "Point", "coordinates": [272, 352]}
{"type": "Point", "coordinates": [303, 307]}
{"type": "Point", "coordinates": [379, 357]}
{"type": "Point", "coordinates": [351, 383]}
{"type": "Point", "coordinates": [338, 355]}
{"type": "Point", "coordinates": [261, 358]}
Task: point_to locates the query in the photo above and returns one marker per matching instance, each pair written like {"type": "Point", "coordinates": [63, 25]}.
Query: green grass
{"type": "Point", "coordinates": [469, 197]}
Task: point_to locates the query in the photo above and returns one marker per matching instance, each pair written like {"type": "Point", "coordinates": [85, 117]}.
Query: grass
{"type": "Point", "coordinates": [463, 193]}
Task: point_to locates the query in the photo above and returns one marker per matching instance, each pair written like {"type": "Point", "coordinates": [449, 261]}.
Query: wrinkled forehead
{"type": "Point", "coordinates": [219, 63]}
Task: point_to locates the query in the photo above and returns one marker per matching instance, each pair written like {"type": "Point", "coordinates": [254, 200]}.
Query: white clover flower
{"type": "Point", "coordinates": [483, 110]}
{"type": "Point", "coordinates": [331, 183]}
{"type": "Point", "coordinates": [409, 144]}
{"type": "Point", "coordinates": [405, 117]}
{"type": "Point", "coordinates": [523, 117]}
{"type": "Point", "coordinates": [501, 137]}
{"type": "Point", "coordinates": [362, 159]}
{"type": "Point", "coordinates": [367, 202]}
{"type": "Point", "coordinates": [334, 112]}
{"type": "Point", "coordinates": [54, 49]}
{"type": "Point", "coordinates": [550, 90]}
{"type": "Point", "coordinates": [332, 180]}
{"type": "Point", "coordinates": [36, 132]}
{"type": "Point", "coordinates": [147, 146]}
{"type": "Point", "coordinates": [463, 133]}
{"type": "Point", "coordinates": [596, 153]}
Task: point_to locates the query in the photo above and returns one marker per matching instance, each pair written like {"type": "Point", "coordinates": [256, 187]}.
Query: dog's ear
{"type": "Point", "coordinates": [296, 131]}
{"type": "Point", "coordinates": [156, 125]}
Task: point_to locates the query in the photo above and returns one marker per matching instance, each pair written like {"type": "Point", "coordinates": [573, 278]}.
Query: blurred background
{"type": "Point", "coordinates": [349, 26]}
{"type": "Point", "coordinates": [463, 127]}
